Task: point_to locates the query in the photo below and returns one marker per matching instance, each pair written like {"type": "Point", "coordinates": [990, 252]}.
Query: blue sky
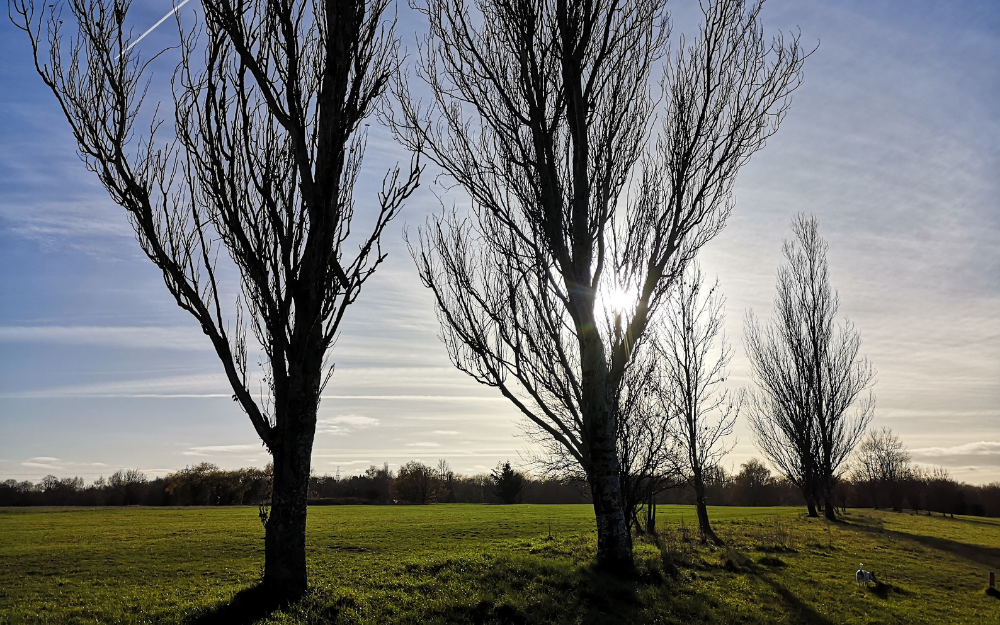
{"type": "Point", "coordinates": [893, 142]}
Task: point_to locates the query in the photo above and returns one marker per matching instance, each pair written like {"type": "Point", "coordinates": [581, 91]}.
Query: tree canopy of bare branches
{"type": "Point", "coordinates": [694, 357]}
{"type": "Point", "coordinates": [881, 467]}
{"type": "Point", "coordinates": [808, 373]}
{"type": "Point", "coordinates": [268, 97]}
{"type": "Point", "coordinates": [542, 114]}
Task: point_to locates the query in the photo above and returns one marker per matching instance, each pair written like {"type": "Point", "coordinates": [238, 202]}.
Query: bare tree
{"type": "Point", "coordinates": [778, 412]}
{"type": "Point", "coordinates": [752, 486]}
{"type": "Point", "coordinates": [542, 114]}
{"type": "Point", "coordinates": [128, 483]}
{"type": "Point", "coordinates": [268, 98]}
{"type": "Point", "coordinates": [808, 373]}
{"type": "Point", "coordinates": [694, 360]}
{"type": "Point", "coordinates": [882, 467]}
{"type": "Point", "coordinates": [647, 449]}
{"type": "Point", "coordinates": [647, 463]}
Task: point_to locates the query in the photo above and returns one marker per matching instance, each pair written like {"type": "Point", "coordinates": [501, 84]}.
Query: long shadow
{"type": "Point", "coordinates": [804, 611]}
{"type": "Point", "coordinates": [990, 556]}
{"type": "Point", "coordinates": [248, 606]}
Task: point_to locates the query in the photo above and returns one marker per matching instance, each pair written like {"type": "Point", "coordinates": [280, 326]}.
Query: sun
{"type": "Point", "coordinates": [617, 299]}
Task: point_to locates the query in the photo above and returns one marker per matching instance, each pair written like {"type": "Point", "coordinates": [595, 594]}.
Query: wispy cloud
{"type": "Point", "coordinates": [344, 424]}
{"type": "Point", "coordinates": [981, 448]}
{"type": "Point", "coordinates": [423, 444]}
{"type": "Point", "coordinates": [210, 450]}
{"type": "Point", "coordinates": [203, 385]}
{"type": "Point", "coordinates": [169, 337]}
{"type": "Point", "coordinates": [50, 463]}
{"type": "Point", "coordinates": [419, 397]}
{"type": "Point", "coordinates": [446, 432]}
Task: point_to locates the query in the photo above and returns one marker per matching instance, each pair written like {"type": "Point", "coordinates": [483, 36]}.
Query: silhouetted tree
{"type": "Point", "coordinates": [808, 373]}
{"type": "Point", "coordinates": [260, 169]}
{"type": "Point", "coordinates": [381, 478]}
{"type": "Point", "coordinates": [507, 483]}
{"type": "Point", "coordinates": [417, 483]}
{"type": "Point", "coordinates": [647, 451]}
{"type": "Point", "coordinates": [693, 357]}
{"type": "Point", "coordinates": [128, 482]}
{"type": "Point", "coordinates": [752, 485]}
{"type": "Point", "coordinates": [542, 114]}
{"type": "Point", "coordinates": [882, 468]}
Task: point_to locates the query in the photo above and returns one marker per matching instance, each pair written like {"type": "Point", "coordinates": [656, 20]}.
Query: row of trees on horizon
{"type": "Point", "coordinates": [896, 486]}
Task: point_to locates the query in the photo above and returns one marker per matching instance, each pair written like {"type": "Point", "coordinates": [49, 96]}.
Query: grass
{"type": "Point", "coordinates": [495, 564]}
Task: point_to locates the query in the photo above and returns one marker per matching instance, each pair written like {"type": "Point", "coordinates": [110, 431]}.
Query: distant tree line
{"type": "Point", "coordinates": [206, 484]}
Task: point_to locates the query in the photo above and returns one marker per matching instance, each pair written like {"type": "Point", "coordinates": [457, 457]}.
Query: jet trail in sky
{"type": "Point", "coordinates": [153, 27]}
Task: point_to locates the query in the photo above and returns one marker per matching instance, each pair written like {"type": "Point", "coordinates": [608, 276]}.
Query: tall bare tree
{"type": "Point", "coordinates": [268, 97]}
{"type": "Point", "coordinates": [808, 373]}
{"type": "Point", "coordinates": [542, 112]}
{"type": "Point", "coordinates": [694, 357]}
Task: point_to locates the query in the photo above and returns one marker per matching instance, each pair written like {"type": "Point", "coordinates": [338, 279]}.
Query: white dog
{"type": "Point", "coordinates": [864, 577]}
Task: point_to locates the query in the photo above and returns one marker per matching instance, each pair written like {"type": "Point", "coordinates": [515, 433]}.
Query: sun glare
{"type": "Point", "coordinates": [616, 299]}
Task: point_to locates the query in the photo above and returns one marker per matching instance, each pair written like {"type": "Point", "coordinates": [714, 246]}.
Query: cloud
{"type": "Point", "coordinates": [186, 338]}
{"type": "Point", "coordinates": [982, 448]}
{"type": "Point", "coordinates": [203, 385]}
{"type": "Point", "coordinates": [40, 465]}
{"type": "Point", "coordinates": [344, 424]}
{"type": "Point", "coordinates": [418, 397]}
{"type": "Point", "coordinates": [446, 432]}
{"type": "Point", "coordinates": [423, 445]}
{"type": "Point", "coordinates": [50, 463]}
{"type": "Point", "coordinates": [208, 450]}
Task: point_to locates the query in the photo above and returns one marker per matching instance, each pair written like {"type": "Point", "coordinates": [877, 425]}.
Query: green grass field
{"type": "Point", "coordinates": [495, 564]}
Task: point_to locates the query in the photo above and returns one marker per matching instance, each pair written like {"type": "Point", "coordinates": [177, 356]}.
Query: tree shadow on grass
{"type": "Point", "coordinates": [990, 556]}
{"type": "Point", "coordinates": [247, 606]}
{"type": "Point", "coordinates": [805, 613]}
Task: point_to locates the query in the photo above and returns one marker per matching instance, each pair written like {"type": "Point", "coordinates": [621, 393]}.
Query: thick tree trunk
{"type": "Point", "coordinates": [285, 533]}
{"type": "Point", "coordinates": [614, 543]}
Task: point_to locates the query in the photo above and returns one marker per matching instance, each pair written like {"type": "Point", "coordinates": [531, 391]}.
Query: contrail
{"type": "Point", "coordinates": [153, 27]}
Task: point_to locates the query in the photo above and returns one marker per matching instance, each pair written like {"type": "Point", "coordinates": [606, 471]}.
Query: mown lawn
{"type": "Point", "coordinates": [495, 564]}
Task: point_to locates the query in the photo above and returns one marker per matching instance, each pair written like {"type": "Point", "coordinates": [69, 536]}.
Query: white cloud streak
{"type": "Point", "coordinates": [186, 338]}
{"type": "Point", "coordinates": [981, 448]}
{"type": "Point", "coordinates": [344, 424]}
{"type": "Point", "coordinates": [209, 450]}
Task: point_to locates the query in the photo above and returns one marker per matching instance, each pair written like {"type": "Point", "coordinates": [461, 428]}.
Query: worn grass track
{"type": "Point", "coordinates": [494, 564]}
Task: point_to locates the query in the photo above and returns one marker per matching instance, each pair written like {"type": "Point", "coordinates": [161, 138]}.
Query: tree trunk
{"type": "Point", "coordinates": [829, 509]}
{"type": "Point", "coordinates": [614, 543]}
{"type": "Point", "coordinates": [651, 516]}
{"type": "Point", "coordinates": [285, 532]}
{"type": "Point", "coordinates": [811, 506]}
{"type": "Point", "coordinates": [703, 524]}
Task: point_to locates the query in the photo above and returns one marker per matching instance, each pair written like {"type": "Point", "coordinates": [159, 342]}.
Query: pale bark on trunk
{"type": "Point", "coordinates": [614, 543]}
